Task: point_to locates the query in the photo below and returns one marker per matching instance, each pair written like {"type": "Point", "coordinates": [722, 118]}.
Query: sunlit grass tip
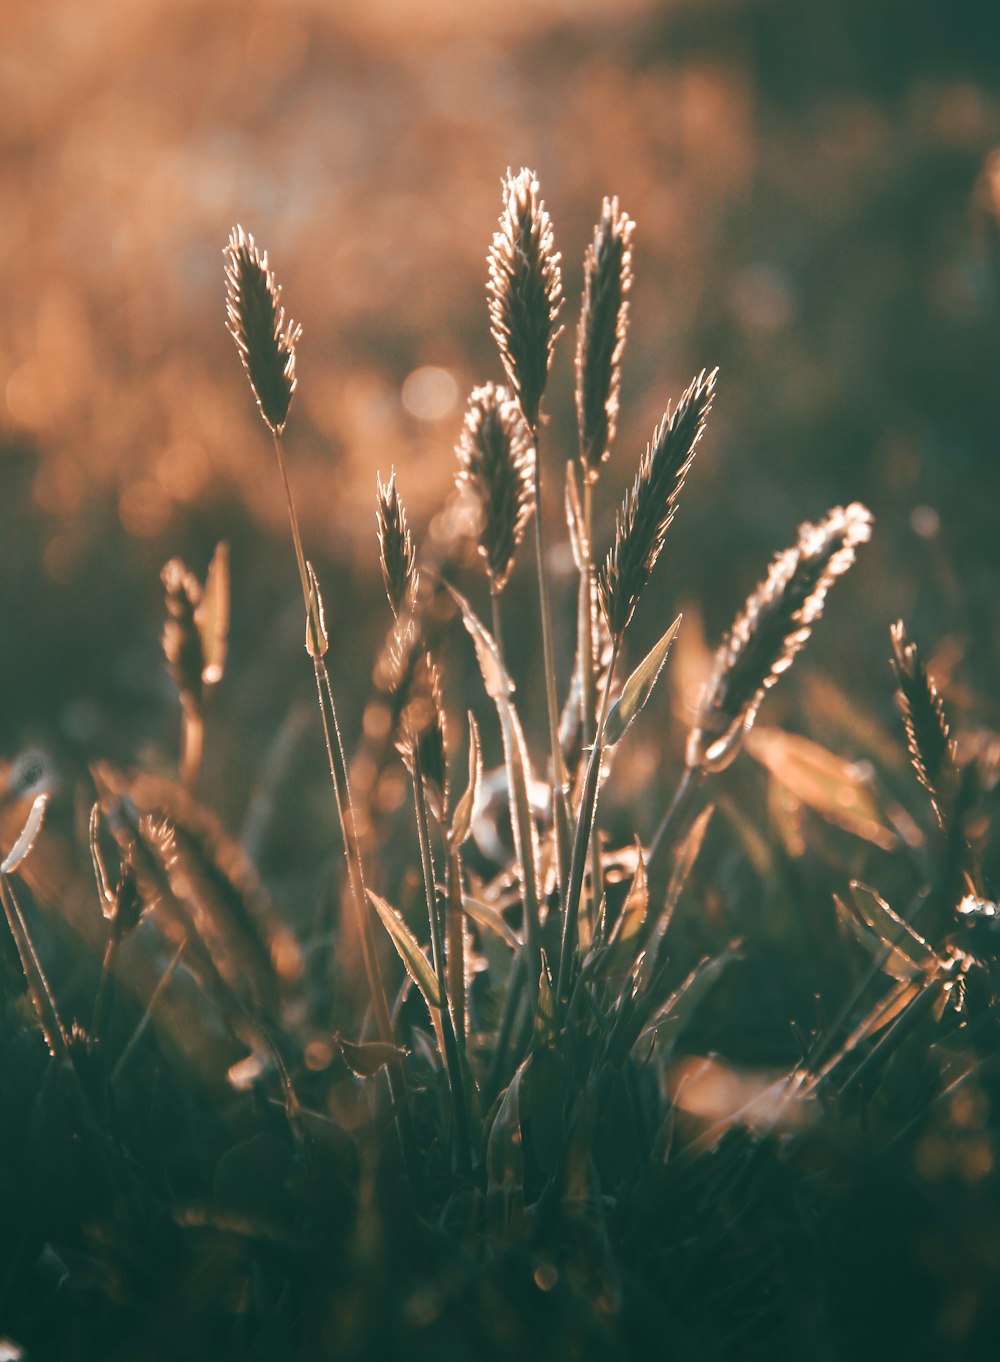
{"type": "Point", "coordinates": [773, 626]}
{"type": "Point", "coordinates": [650, 504]}
{"type": "Point", "coordinates": [600, 337]}
{"type": "Point", "coordinates": [525, 291]}
{"type": "Point", "coordinates": [256, 321]}
{"type": "Point", "coordinates": [397, 556]}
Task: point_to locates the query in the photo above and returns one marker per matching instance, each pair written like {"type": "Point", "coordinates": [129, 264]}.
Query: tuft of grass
{"type": "Point", "coordinates": [528, 1128]}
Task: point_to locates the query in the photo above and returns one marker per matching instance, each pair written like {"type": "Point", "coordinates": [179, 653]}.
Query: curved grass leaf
{"type": "Point", "coordinates": [367, 1058]}
{"type": "Point", "coordinates": [28, 834]}
{"type": "Point", "coordinates": [639, 687]}
{"type": "Point", "coordinates": [492, 918]}
{"type": "Point", "coordinates": [418, 967]}
{"type": "Point", "coordinates": [461, 823]}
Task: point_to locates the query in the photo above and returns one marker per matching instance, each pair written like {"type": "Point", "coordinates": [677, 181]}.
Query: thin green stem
{"type": "Point", "coordinates": [34, 975]}
{"type": "Point", "coordinates": [671, 825]}
{"type": "Point", "coordinates": [559, 780]}
{"type": "Point", "coordinates": [452, 1059]}
{"type": "Point", "coordinates": [296, 536]}
{"type": "Point", "coordinates": [355, 871]}
{"type": "Point", "coordinates": [355, 874]}
{"type": "Point", "coordinates": [581, 842]}
{"type": "Point", "coordinates": [454, 947]}
{"type": "Point", "coordinates": [497, 619]}
{"type": "Point", "coordinates": [106, 988]}
{"type": "Point", "coordinates": [588, 679]}
{"type": "Point", "coordinates": [511, 1001]}
{"type": "Point", "coordinates": [341, 784]}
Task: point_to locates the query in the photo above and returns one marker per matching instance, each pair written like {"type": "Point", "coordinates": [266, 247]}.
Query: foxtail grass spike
{"type": "Point", "coordinates": [927, 735]}
{"type": "Point", "coordinates": [414, 682]}
{"type": "Point", "coordinates": [256, 320]}
{"type": "Point", "coordinates": [395, 546]}
{"type": "Point", "coordinates": [496, 462]}
{"type": "Point", "coordinates": [773, 626]}
{"type": "Point", "coordinates": [600, 337]}
{"type": "Point", "coordinates": [649, 505]}
{"type": "Point", "coordinates": [525, 291]}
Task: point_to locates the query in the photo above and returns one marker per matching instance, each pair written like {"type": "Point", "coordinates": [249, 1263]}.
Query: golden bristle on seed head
{"type": "Point", "coordinates": [525, 291]}
{"type": "Point", "coordinates": [600, 336]}
{"type": "Point", "coordinates": [256, 321]}
{"type": "Point", "coordinates": [395, 545]}
{"type": "Point", "coordinates": [496, 465]}
{"type": "Point", "coordinates": [773, 626]}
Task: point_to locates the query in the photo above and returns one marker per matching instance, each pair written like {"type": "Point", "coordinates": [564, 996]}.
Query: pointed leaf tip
{"type": "Point", "coordinates": [639, 687]}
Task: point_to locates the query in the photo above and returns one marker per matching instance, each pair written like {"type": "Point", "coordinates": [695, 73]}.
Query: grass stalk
{"type": "Point", "coordinates": [588, 687]}
{"type": "Point", "coordinates": [496, 620]}
{"type": "Point", "coordinates": [452, 1059]}
{"type": "Point", "coordinates": [670, 829]}
{"type": "Point", "coordinates": [560, 811]}
{"type": "Point", "coordinates": [359, 897]}
{"type": "Point", "coordinates": [581, 841]}
{"type": "Point", "coordinates": [34, 975]}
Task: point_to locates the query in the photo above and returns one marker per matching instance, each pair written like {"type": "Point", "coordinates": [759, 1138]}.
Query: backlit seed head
{"type": "Point", "coordinates": [256, 322]}
{"type": "Point", "coordinates": [524, 291]}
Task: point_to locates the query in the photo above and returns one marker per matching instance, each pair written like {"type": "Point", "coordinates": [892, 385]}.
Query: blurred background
{"type": "Point", "coordinates": [816, 215]}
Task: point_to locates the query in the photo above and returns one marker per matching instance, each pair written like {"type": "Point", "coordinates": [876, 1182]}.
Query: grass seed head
{"type": "Point", "coordinates": [496, 461]}
{"type": "Point", "coordinates": [649, 505]}
{"type": "Point", "coordinates": [525, 291]}
{"type": "Point", "coordinates": [773, 626]}
{"type": "Point", "coordinates": [927, 736]}
{"type": "Point", "coordinates": [256, 321]}
{"type": "Point", "coordinates": [600, 337]}
{"type": "Point", "coordinates": [395, 545]}
{"type": "Point", "coordinates": [419, 704]}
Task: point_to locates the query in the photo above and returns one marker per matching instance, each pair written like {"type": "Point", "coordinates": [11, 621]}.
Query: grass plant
{"type": "Point", "coordinates": [517, 1139]}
